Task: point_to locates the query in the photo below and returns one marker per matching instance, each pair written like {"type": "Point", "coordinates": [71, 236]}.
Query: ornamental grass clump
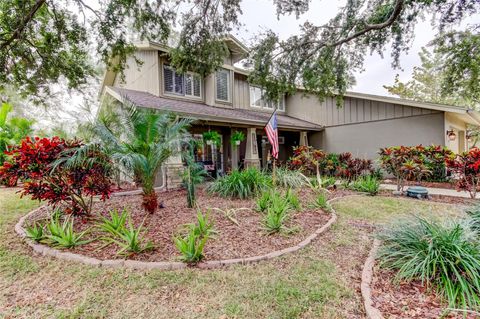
{"type": "Point", "coordinates": [474, 216]}
{"type": "Point", "coordinates": [444, 256]}
{"type": "Point", "coordinates": [321, 201]}
{"type": "Point", "coordinates": [61, 234]}
{"type": "Point", "coordinates": [288, 178]}
{"type": "Point", "coordinates": [241, 184]}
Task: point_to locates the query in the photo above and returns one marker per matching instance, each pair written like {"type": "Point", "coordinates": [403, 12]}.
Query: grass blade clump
{"type": "Point", "coordinates": [287, 178]}
{"type": "Point", "coordinates": [321, 202]}
{"type": "Point", "coordinates": [474, 216]}
{"type": "Point", "coordinates": [114, 225]}
{"type": "Point", "coordinates": [35, 232]}
{"type": "Point", "coordinates": [241, 184]}
{"type": "Point", "coordinates": [131, 241]}
{"type": "Point", "coordinates": [444, 256]}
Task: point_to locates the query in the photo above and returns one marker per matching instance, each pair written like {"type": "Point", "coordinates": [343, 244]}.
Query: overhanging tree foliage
{"type": "Point", "coordinates": [322, 58]}
{"type": "Point", "coordinates": [48, 41]}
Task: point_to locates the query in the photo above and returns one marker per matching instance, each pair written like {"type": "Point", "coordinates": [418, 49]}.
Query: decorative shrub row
{"type": "Point", "coordinates": [313, 161]}
{"type": "Point", "coordinates": [415, 163]}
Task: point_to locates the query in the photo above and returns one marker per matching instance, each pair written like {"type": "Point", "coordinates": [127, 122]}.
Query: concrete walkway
{"type": "Point", "coordinates": [433, 191]}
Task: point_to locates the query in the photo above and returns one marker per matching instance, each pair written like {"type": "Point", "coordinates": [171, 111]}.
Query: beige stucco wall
{"type": "Point", "coordinates": [365, 139]}
{"type": "Point", "coordinates": [460, 128]}
{"type": "Point", "coordinates": [144, 77]}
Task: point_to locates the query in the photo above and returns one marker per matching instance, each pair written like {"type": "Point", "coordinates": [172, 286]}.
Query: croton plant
{"type": "Point", "coordinates": [466, 169]}
{"type": "Point", "coordinates": [42, 165]}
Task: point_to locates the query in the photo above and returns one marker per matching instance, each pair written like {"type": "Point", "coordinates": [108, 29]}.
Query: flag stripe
{"type": "Point", "coordinates": [272, 134]}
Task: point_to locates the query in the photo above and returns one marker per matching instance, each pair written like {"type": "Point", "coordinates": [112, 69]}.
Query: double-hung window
{"type": "Point", "coordinates": [222, 85]}
{"type": "Point", "coordinates": [188, 84]}
{"type": "Point", "coordinates": [257, 100]}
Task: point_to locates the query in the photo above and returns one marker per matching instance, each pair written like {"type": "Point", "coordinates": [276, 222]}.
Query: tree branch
{"type": "Point", "coordinates": [23, 24]}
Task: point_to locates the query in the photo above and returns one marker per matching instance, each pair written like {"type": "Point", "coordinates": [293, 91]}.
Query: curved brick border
{"type": "Point", "coordinates": [163, 265]}
{"type": "Point", "coordinates": [367, 276]}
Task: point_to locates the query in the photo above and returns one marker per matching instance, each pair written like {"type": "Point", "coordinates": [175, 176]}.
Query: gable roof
{"type": "Point", "coordinates": [202, 111]}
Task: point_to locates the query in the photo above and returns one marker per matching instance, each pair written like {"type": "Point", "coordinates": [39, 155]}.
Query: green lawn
{"type": "Point", "coordinates": [321, 281]}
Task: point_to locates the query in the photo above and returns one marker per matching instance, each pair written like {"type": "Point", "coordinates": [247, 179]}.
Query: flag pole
{"type": "Point", "coordinates": [274, 159]}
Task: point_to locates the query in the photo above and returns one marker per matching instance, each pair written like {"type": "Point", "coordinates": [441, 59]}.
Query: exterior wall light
{"type": "Point", "coordinates": [451, 135]}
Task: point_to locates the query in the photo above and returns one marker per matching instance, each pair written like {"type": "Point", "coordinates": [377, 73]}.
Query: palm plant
{"type": "Point", "coordinates": [147, 140]}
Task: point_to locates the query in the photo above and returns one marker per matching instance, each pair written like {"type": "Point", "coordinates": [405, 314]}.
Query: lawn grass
{"type": "Point", "coordinates": [321, 281]}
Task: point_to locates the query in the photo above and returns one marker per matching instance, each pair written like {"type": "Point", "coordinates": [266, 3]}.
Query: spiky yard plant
{"type": "Point", "coordinates": [192, 243]}
{"type": "Point", "coordinates": [35, 232]}
{"type": "Point", "coordinates": [115, 224]}
{"type": "Point", "coordinates": [131, 240]}
{"type": "Point", "coordinates": [321, 201]}
{"type": "Point", "coordinates": [148, 138]}
{"type": "Point", "coordinates": [61, 234]}
{"type": "Point", "coordinates": [444, 256]}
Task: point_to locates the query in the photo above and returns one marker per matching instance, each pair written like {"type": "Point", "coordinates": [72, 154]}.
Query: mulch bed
{"type": "Point", "coordinates": [407, 299]}
{"type": "Point", "coordinates": [232, 241]}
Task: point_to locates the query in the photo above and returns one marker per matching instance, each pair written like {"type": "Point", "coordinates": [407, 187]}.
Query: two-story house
{"type": "Point", "coordinates": [225, 102]}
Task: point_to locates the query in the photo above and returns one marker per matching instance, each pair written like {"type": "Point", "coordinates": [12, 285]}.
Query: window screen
{"type": "Point", "coordinates": [222, 85]}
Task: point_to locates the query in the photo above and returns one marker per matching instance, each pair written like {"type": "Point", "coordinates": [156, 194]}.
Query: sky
{"type": "Point", "coordinates": [261, 15]}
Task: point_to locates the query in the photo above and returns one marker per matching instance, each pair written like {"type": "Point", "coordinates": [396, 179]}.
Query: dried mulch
{"type": "Point", "coordinates": [411, 300]}
{"type": "Point", "coordinates": [231, 241]}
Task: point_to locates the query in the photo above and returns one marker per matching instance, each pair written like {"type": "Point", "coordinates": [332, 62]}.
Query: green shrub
{"type": "Point", "coordinates": [35, 232]}
{"type": "Point", "coordinates": [367, 184]}
{"type": "Point", "coordinates": [241, 184]}
{"type": "Point", "coordinates": [287, 178]}
{"type": "Point", "coordinates": [264, 201]}
{"type": "Point", "coordinates": [277, 211]}
{"type": "Point", "coordinates": [131, 241]}
{"type": "Point", "coordinates": [321, 201]}
{"type": "Point", "coordinates": [328, 181]}
{"type": "Point", "coordinates": [62, 234]}
{"type": "Point", "coordinates": [442, 255]}
{"type": "Point", "coordinates": [114, 225]}
{"type": "Point", "coordinates": [191, 244]}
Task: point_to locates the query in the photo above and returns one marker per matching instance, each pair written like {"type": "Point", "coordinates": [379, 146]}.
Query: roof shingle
{"type": "Point", "coordinates": [205, 112]}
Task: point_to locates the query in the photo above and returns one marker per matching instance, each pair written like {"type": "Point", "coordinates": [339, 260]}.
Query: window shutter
{"type": "Point", "coordinates": [197, 86]}
{"type": "Point", "coordinates": [188, 84]}
{"type": "Point", "coordinates": [179, 89]}
{"type": "Point", "coordinates": [222, 81]}
{"type": "Point", "coordinates": [168, 79]}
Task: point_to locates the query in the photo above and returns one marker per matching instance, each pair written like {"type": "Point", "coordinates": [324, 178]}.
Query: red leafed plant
{"type": "Point", "coordinates": [49, 173]}
{"type": "Point", "coordinates": [466, 169]}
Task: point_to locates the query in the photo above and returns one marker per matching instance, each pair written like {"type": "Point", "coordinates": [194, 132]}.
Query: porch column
{"type": "Point", "coordinates": [173, 170]}
{"type": "Point", "coordinates": [303, 139]}
{"type": "Point", "coordinates": [235, 153]}
{"type": "Point", "coordinates": [251, 152]}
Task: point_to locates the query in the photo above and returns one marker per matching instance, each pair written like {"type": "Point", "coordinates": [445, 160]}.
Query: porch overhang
{"type": "Point", "coordinates": [200, 111]}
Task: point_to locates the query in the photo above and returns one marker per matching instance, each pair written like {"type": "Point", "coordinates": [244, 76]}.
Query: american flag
{"type": "Point", "coordinates": [272, 134]}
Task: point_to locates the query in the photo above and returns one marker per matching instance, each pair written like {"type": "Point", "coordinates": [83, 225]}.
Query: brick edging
{"type": "Point", "coordinates": [164, 265]}
{"type": "Point", "coordinates": [367, 276]}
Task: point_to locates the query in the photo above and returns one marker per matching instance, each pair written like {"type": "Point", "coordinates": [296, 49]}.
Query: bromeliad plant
{"type": "Point", "coordinates": [114, 225]}
{"type": "Point", "coordinates": [35, 232]}
{"type": "Point", "coordinates": [148, 139]}
{"type": "Point", "coordinates": [131, 241]}
{"type": "Point", "coordinates": [50, 171]}
{"type": "Point", "coordinates": [444, 256]}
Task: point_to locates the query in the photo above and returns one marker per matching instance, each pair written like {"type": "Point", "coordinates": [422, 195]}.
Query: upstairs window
{"type": "Point", "coordinates": [188, 84]}
{"type": "Point", "coordinates": [222, 85]}
{"type": "Point", "coordinates": [257, 100]}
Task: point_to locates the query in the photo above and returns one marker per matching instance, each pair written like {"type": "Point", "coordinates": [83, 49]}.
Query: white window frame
{"type": "Point", "coordinates": [267, 105]}
{"type": "Point", "coordinates": [184, 94]}
{"type": "Point", "coordinates": [229, 84]}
